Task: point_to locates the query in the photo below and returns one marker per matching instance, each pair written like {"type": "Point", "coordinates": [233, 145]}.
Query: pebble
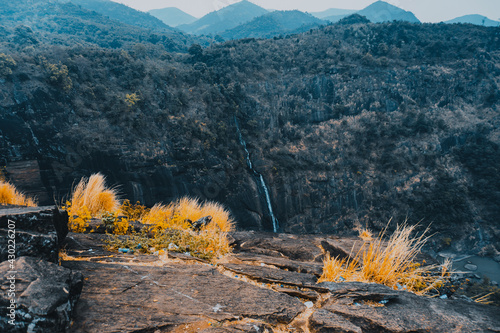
{"type": "Point", "coordinates": [309, 304]}
{"type": "Point", "coordinates": [470, 267]}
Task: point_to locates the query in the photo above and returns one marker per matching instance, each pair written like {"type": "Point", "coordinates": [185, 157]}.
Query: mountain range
{"type": "Point", "coordinates": [348, 125]}
{"type": "Point", "coordinates": [172, 16]}
{"type": "Point", "coordinates": [224, 19]}
{"type": "Point", "coordinates": [273, 24]}
{"type": "Point", "coordinates": [475, 19]}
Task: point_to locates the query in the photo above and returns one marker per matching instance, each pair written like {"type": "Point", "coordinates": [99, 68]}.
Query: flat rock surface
{"type": "Point", "coordinates": [361, 307]}
{"type": "Point", "coordinates": [273, 275]}
{"type": "Point", "coordinates": [283, 263]}
{"type": "Point", "coordinates": [264, 285]}
{"type": "Point", "coordinates": [119, 297]}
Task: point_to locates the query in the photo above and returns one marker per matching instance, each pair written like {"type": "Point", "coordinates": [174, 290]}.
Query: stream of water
{"type": "Point", "coordinates": [259, 176]}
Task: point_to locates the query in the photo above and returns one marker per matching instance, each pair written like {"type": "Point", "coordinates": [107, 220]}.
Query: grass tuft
{"type": "Point", "coordinates": [90, 198]}
{"type": "Point", "coordinates": [172, 231]}
{"type": "Point", "coordinates": [93, 194]}
{"type": "Point", "coordinates": [365, 235]}
{"type": "Point", "coordinates": [392, 264]}
{"type": "Point", "coordinates": [9, 195]}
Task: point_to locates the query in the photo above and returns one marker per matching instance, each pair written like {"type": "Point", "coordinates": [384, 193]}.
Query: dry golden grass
{"type": "Point", "coordinates": [93, 194]}
{"type": "Point", "coordinates": [392, 264]}
{"type": "Point", "coordinates": [365, 234]}
{"type": "Point", "coordinates": [177, 214]}
{"type": "Point", "coordinates": [9, 195]}
{"type": "Point", "coordinates": [172, 229]}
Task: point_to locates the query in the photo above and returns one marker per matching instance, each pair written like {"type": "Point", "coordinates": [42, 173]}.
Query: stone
{"type": "Point", "coordinates": [39, 231]}
{"type": "Point", "coordinates": [273, 275]}
{"type": "Point", "coordinates": [282, 263]}
{"type": "Point", "coordinates": [198, 224]}
{"type": "Point", "coordinates": [325, 321]}
{"type": "Point", "coordinates": [470, 267]}
{"type": "Point", "coordinates": [45, 295]}
{"type": "Point", "coordinates": [377, 308]}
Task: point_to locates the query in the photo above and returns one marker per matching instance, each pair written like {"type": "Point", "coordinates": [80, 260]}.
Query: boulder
{"type": "Point", "coordinates": [44, 292]}
{"type": "Point", "coordinates": [39, 231]}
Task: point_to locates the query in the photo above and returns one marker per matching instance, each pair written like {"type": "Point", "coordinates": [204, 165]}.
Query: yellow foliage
{"type": "Point", "coordinates": [131, 99]}
{"type": "Point", "coordinates": [6, 64]}
{"type": "Point", "coordinates": [178, 214]}
{"type": "Point", "coordinates": [94, 195]}
{"type": "Point", "coordinates": [121, 226]}
{"type": "Point", "coordinates": [78, 217]}
{"type": "Point", "coordinates": [172, 229]}
{"type": "Point", "coordinates": [9, 195]}
{"type": "Point", "coordinates": [365, 234]}
{"type": "Point", "coordinates": [58, 74]}
{"type": "Point", "coordinates": [391, 264]}
{"type": "Point", "coordinates": [133, 212]}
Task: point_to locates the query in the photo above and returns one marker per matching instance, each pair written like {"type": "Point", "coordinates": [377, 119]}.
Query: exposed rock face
{"type": "Point", "coordinates": [361, 307]}
{"type": "Point", "coordinates": [249, 292]}
{"type": "Point", "coordinates": [45, 294]}
{"type": "Point", "coordinates": [39, 231]}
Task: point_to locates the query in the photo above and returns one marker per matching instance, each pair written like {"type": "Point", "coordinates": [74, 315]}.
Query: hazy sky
{"type": "Point", "coordinates": [425, 10]}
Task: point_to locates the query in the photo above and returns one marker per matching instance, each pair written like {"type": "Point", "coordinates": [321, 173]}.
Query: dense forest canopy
{"type": "Point", "coordinates": [351, 124]}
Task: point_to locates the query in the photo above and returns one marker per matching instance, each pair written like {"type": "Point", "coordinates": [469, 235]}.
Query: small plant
{"type": "Point", "coordinates": [392, 264]}
{"type": "Point", "coordinates": [365, 235]}
{"type": "Point", "coordinates": [133, 212]}
{"type": "Point", "coordinates": [132, 99]}
{"type": "Point", "coordinates": [90, 198]}
{"type": "Point", "coordinates": [9, 195]}
{"type": "Point", "coordinates": [78, 219]}
{"type": "Point", "coordinates": [115, 224]}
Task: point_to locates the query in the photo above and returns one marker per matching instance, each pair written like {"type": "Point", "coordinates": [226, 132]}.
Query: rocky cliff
{"type": "Point", "coordinates": [348, 125]}
{"type": "Point", "coordinates": [269, 284]}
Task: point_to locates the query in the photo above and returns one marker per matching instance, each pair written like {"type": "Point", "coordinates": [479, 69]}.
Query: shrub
{"type": "Point", "coordinates": [392, 264]}
{"type": "Point", "coordinates": [171, 227]}
{"type": "Point", "coordinates": [9, 195]}
{"type": "Point", "coordinates": [178, 214]}
{"type": "Point", "coordinates": [90, 198]}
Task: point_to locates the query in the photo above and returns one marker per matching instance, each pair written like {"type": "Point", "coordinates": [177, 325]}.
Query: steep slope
{"type": "Point", "coordinates": [122, 13]}
{"type": "Point", "coordinates": [274, 24]}
{"type": "Point", "coordinates": [381, 11]}
{"type": "Point", "coordinates": [172, 16]}
{"type": "Point", "coordinates": [52, 22]}
{"type": "Point", "coordinates": [348, 125]}
{"type": "Point", "coordinates": [224, 19]}
{"type": "Point", "coordinates": [333, 12]}
{"type": "Point", "coordinates": [475, 19]}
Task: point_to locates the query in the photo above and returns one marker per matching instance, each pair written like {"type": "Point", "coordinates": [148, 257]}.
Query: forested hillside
{"type": "Point", "coordinates": [350, 125]}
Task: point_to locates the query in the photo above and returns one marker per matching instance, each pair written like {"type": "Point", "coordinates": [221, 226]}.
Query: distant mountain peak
{"type": "Point", "coordinates": [225, 18]}
{"type": "Point", "coordinates": [172, 16]}
{"type": "Point", "coordinates": [475, 19]}
{"type": "Point", "coordinates": [381, 11]}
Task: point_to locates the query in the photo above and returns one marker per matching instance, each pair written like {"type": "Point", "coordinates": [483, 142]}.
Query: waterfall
{"type": "Point", "coordinates": [259, 176]}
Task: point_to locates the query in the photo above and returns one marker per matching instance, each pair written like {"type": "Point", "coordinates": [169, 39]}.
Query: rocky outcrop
{"type": "Point", "coordinates": [37, 231]}
{"type": "Point", "coordinates": [361, 307]}
{"type": "Point", "coordinates": [45, 295]}
{"type": "Point", "coordinates": [249, 291]}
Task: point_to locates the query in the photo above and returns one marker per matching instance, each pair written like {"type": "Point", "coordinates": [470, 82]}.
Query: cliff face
{"type": "Point", "coordinates": [348, 125]}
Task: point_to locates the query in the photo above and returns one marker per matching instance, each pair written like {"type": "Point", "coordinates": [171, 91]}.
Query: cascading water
{"type": "Point", "coordinates": [259, 176]}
